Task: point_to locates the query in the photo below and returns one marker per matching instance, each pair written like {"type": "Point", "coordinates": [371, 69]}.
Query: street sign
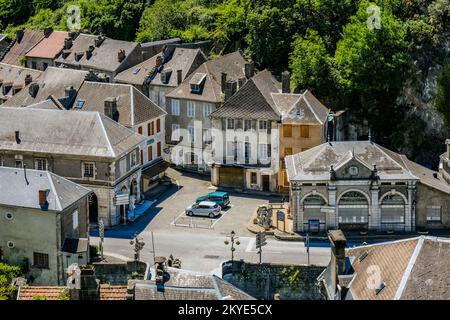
{"type": "Point", "coordinates": [280, 215]}
{"type": "Point", "coordinates": [122, 198]}
{"type": "Point", "coordinates": [330, 116]}
{"type": "Point", "coordinates": [260, 240]}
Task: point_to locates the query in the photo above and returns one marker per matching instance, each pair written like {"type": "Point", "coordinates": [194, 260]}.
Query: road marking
{"type": "Point", "coordinates": [250, 245]}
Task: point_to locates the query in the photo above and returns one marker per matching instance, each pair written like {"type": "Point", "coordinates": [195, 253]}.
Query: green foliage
{"type": "Point", "coordinates": [442, 102]}
{"type": "Point", "coordinates": [94, 250]}
{"type": "Point", "coordinates": [64, 295]}
{"type": "Point", "coordinates": [39, 297]}
{"type": "Point", "coordinates": [7, 274]}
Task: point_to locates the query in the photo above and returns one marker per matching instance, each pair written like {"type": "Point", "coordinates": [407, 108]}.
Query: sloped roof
{"type": "Point", "coordinates": [182, 59]}
{"type": "Point", "coordinates": [53, 82]}
{"type": "Point", "coordinates": [18, 49]}
{"type": "Point", "coordinates": [107, 292]}
{"type": "Point", "coordinates": [49, 47]}
{"type": "Point", "coordinates": [188, 285]}
{"type": "Point", "coordinates": [253, 100]}
{"type": "Point", "coordinates": [16, 192]}
{"type": "Point", "coordinates": [133, 106]}
{"type": "Point", "coordinates": [300, 108]}
{"type": "Point", "coordinates": [51, 104]}
{"type": "Point", "coordinates": [232, 64]}
{"type": "Point", "coordinates": [65, 132]}
{"type": "Point", "coordinates": [15, 75]}
{"type": "Point", "coordinates": [103, 58]}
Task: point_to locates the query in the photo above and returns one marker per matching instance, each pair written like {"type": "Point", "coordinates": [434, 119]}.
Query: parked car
{"type": "Point", "coordinates": [204, 208]}
{"type": "Point", "coordinates": [221, 198]}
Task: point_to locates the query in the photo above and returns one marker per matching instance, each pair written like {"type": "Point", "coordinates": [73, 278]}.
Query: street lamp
{"type": "Point", "coordinates": [233, 240]}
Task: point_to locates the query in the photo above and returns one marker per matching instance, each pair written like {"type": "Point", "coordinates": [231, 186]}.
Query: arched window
{"type": "Point", "coordinates": [353, 210]}
{"type": "Point", "coordinates": [392, 211]}
{"type": "Point", "coordinates": [314, 219]}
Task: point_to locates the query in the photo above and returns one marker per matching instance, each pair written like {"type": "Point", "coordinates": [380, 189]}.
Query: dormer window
{"type": "Point", "coordinates": [165, 75]}
{"type": "Point", "coordinates": [196, 83]}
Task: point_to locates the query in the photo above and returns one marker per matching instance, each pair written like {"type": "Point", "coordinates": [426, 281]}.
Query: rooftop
{"type": "Point", "coordinates": [107, 292]}
{"type": "Point", "coordinates": [23, 187]}
{"type": "Point", "coordinates": [63, 132]}
{"type": "Point", "coordinates": [19, 47]}
{"type": "Point", "coordinates": [15, 76]}
{"type": "Point", "coordinates": [50, 47]}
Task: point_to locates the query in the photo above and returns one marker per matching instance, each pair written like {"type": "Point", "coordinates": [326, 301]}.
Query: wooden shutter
{"type": "Point", "coordinates": [158, 125]}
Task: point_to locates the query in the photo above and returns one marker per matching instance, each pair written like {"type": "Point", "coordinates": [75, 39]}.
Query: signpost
{"type": "Point", "coordinates": [101, 233]}
{"type": "Point", "coordinates": [307, 245]}
{"type": "Point", "coordinates": [260, 242]}
{"type": "Point", "coordinates": [280, 217]}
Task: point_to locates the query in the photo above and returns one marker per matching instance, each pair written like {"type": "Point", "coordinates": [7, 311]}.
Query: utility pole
{"type": "Point", "coordinates": [307, 245]}
{"type": "Point", "coordinates": [260, 242]}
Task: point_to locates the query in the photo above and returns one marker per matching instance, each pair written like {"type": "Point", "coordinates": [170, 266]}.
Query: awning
{"type": "Point", "coordinates": [155, 168]}
{"type": "Point", "coordinates": [75, 245]}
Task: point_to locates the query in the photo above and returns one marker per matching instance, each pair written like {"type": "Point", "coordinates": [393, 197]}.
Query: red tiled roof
{"type": "Point", "coordinates": [49, 47]}
{"type": "Point", "coordinates": [108, 292]}
{"type": "Point", "coordinates": [49, 293]}
{"type": "Point", "coordinates": [18, 49]}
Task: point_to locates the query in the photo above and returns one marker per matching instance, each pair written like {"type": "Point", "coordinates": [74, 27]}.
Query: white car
{"type": "Point", "coordinates": [204, 208]}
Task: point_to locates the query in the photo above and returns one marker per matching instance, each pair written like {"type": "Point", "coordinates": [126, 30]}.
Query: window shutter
{"type": "Point", "coordinates": [224, 124]}
{"type": "Point", "coordinates": [269, 126]}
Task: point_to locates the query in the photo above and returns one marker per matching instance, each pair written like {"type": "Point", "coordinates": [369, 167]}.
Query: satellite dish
{"type": "Point", "coordinates": [73, 276]}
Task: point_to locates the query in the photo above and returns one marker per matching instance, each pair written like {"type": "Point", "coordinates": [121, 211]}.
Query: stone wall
{"type": "Point", "coordinates": [118, 273]}
{"type": "Point", "coordinates": [263, 281]}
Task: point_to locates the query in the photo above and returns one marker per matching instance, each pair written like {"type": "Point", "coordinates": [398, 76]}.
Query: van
{"type": "Point", "coordinates": [221, 198]}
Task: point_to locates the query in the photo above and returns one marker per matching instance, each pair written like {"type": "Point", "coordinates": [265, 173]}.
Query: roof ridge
{"type": "Point", "coordinates": [59, 206]}
{"type": "Point", "coordinates": [106, 134]}
{"type": "Point", "coordinates": [311, 108]}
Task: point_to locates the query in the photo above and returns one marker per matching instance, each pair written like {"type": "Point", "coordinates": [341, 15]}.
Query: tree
{"type": "Point", "coordinates": [442, 101]}
{"type": "Point", "coordinates": [7, 274]}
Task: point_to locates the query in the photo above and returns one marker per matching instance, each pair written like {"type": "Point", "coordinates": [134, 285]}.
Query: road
{"type": "Point", "coordinates": [203, 249]}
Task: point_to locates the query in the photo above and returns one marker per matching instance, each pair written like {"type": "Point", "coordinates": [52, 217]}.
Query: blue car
{"type": "Point", "coordinates": [221, 198]}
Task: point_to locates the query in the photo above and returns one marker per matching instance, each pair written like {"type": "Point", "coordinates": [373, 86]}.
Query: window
{"type": "Point", "coordinates": [40, 260]}
{"type": "Point", "coordinates": [287, 130]}
{"type": "Point", "coordinates": [141, 154]}
{"type": "Point", "coordinates": [238, 123]}
{"type": "Point", "coordinates": [191, 131]}
{"type": "Point", "coordinates": [175, 132]}
{"type": "Point", "coordinates": [287, 151]}
{"type": "Point", "coordinates": [33, 65]}
{"type": "Point", "coordinates": [263, 151]}
{"type": "Point", "coordinates": [353, 171]}
{"type": "Point", "coordinates": [19, 161]}
{"type": "Point", "coordinates": [152, 95]}
{"type": "Point", "coordinates": [207, 136]}
{"type": "Point", "coordinates": [88, 170]}
{"type": "Point", "coordinates": [191, 109]}
{"type": "Point", "coordinates": [45, 66]}
{"type": "Point", "coordinates": [1, 161]}
{"type": "Point", "coordinates": [230, 124]}
{"type": "Point", "coordinates": [133, 159]}
{"type": "Point", "coordinates": [162, 99]}
{"type": "Point", "coordinates": [123, 165]}
{"type": "Point", "coordinates": [158, 149]}
{"type": "Point", "coordinates": [150, 128]}
{"type": "Point", "coordinates": [304, 131]}
{"type": "Point", "coordinates": [253, 178]}
{"type": "Point", "coordinates": [75, 219]}
{"type": "Point", "coordinates": [40, 164]}
{"type": "Point", "coordinates": [175, 107]}
{"type": "Point", "coordinates": [150, 153]}
{"type": "Point", "coordinates": [262, 125]}
{"type": "Point", "coordinates": [158, 125]}
{"type": "Point", "coordinates": [434, 214]}
{"type": "Point", "coordinates": [207, 109]}
{"type": "Point", "coordinates": [230, 148]}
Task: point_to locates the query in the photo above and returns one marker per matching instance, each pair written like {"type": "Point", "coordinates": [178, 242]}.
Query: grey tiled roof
{"type": "Point", "coordinates": [16, 192]}
{"type": "Point", "coordinates": [53, 82]}
{"type": "Point", "coordinates": [103, 58]}
{"type": "Point", "coordinates": [188, 285]}
{"type": "Point", "coordinates": [51, 104]}
{"type": "Point", "coordinates": [315, 163]}
{"type": "Point", "coordinates": [253, 100]}
{"type": "Point", "coordinates": [181, 59]}
{"type": "Point", "coordinates": [232, 64]}
{"type": "Point", "coordinates": [15, 75]}
{"type": "Point", "coordinates": [133, 107]}
{"type": "Point", "coordinates": [89, 134]}
{"type": "Point", "coordinates": [18, 49]}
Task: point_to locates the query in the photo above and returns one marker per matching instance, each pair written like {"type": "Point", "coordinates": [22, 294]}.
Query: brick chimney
{"type": "Point", "coordinates": [337, 265]}
{"type": "Point", "coordinates": [89, 285]}
{"type": "Point", "coordinates": [249, 70]}
{"type": "Point", "coordinates": [179, 76]}
{"type": "Point", "coordinates": [33, 89]}
{"type": "Point", "coordinates": [43, 203]}
{"type": "Point", "coordinates": [111, 108]}
{"type": "Point", "coordinates": [28, 79]}
{"type": "Point", "coordinates": [286, 82]}
{"type": "Point", "coordinates": [121, 55]}
{"type": "Point", "coordinates": [19, 35]}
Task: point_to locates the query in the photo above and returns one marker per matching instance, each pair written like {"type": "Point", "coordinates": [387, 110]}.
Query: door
{"type": "Point", "coordinates": [266, 182]}
{"type": "Point", "coordinates": [231, 177]}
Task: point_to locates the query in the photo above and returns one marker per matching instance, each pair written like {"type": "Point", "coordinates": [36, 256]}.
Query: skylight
{"type": "Point", "coordinates": [79, 103]}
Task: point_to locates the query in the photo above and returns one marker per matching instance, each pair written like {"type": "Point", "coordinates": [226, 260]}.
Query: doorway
{"type": "Point", "coordinates": [93, 209]}
{"type": "Point", "coordinates": [265, 182]}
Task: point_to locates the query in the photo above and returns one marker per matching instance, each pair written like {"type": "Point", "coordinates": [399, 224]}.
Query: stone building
{"type": "Point", "coordinates": [359, 185]}
{"type": "Point", "coordinates": [44, 223]}
{"type": "Point", "coordinates": [13, 79]}
{"type": "Point", "coordinates": [87, 148]}
{"type": "Point", "coordinates": [188, 106]}
{"type": "Point", "coordinates": [48, 49]}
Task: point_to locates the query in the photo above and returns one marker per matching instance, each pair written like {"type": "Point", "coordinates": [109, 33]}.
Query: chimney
{"type": "Point", "coordinates": [224, 82]}
{"type": "Point", "coordinates": [72, 35]}
{"type": "Point", "coordinates": [89, 52]}
{"type": "Point", "coordinates": [337, 265]}
{"type": "Point", "coordinates": [78, 56]}
{"type": "Point", "coordinates": [89, 285]}
{"type": "Point", "coordinates": [19, 35]}
{"type": "Point", "coordinates": [68, 43]}
{"type": "Point", "coordinates": [159, 61]}
{"type": "Point", "coordinates": [33, 89]}
{"type": "Point", "coordinates": [48, 32]}
{"type": "Point", "coordinates": [65, 54]}
{"type": "Point", "coordinates": [111, 108]}
{"type": "Point", "coordinates": [17, 135]}
{"type": "Point", "coordinates": [249, 70]}
{"type": "Point", "coordinates": [28, 79]}
{"type": "Point", "coordinates": [99, 40]}
{"type": "Point", "coordinates": [286, 82]}
{"type": "Point", "coordinates": [43, 203]}
{"type": "Point", "coordinates": [241, 82]}
{"type": "Point", "coordinates": [230, 89]}
{"type": "Point", "coordinates": [70, 92]}
{"type": "Point", "coordinates": [121, 55]}
{"type": "Point", "coordinates": [179, 76]}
